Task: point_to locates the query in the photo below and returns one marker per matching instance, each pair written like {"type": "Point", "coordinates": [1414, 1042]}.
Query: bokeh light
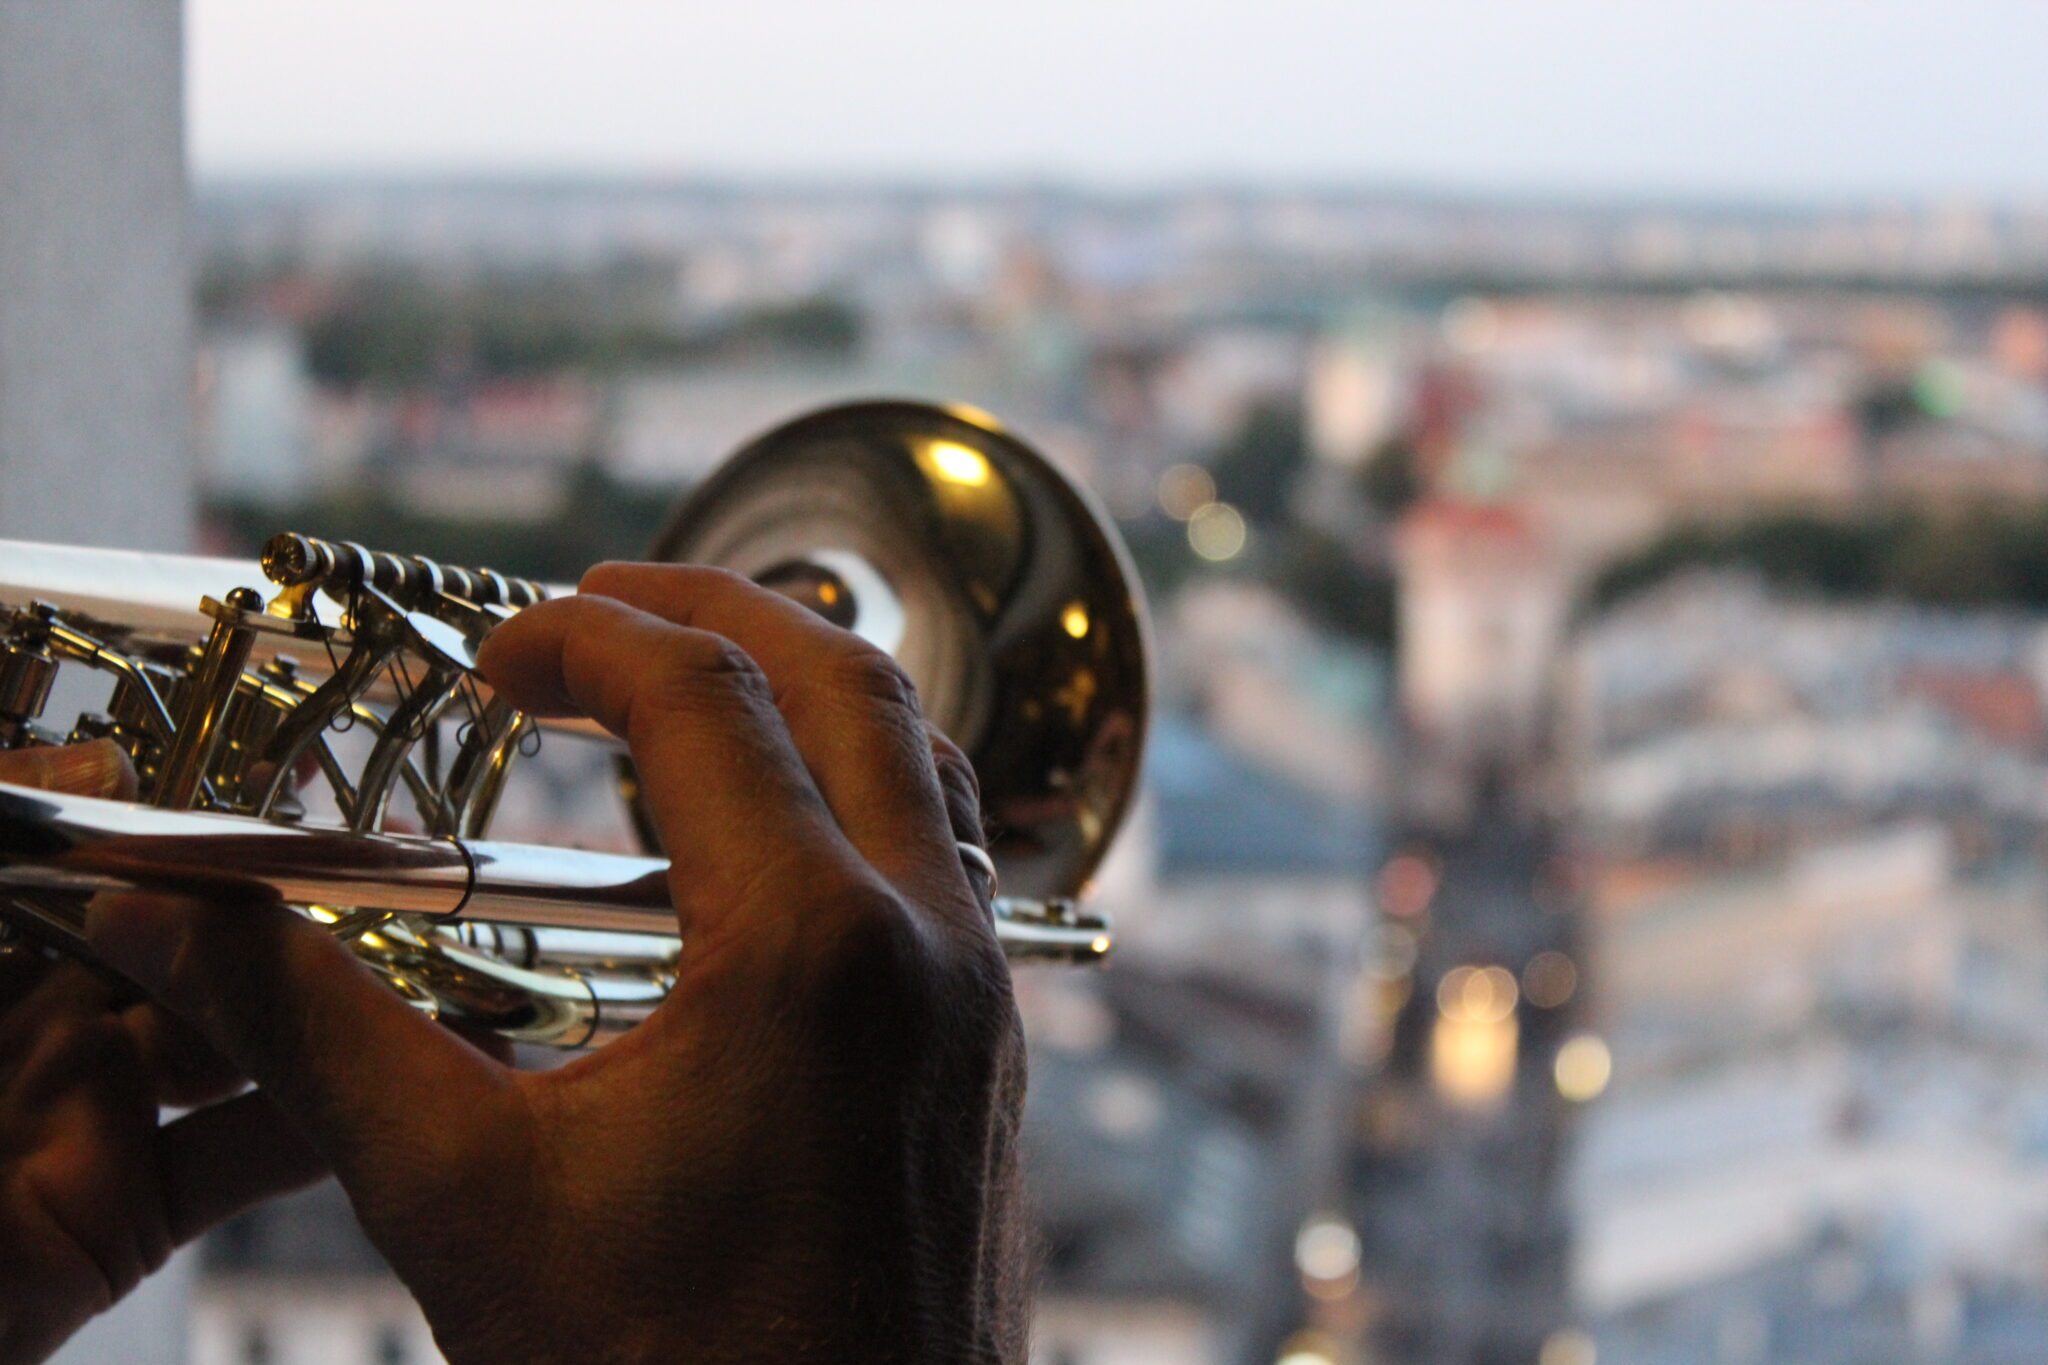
{"type": "Point", "coordinates": [1583, 1068]}
{"type": "Point", "coordinates": [1476, 1039]}
{"type": "Point", "coordinates": [1568, 1346]}
{"type": "Point", "coordinates": [1326, 1248]}
{"type": "Point", "coordinates": [1217, 532]}
{"type": "Point", "coordinates": [1407, 884]}
{"type": "Point", "coordinates": [1185, 489]}
{"type": "Point", "coordinates": [1549, 980]}
{"type": "Point", "coordinates": [1309, 1348]}
{"type": "Point", "coordinates": [1483, 995]}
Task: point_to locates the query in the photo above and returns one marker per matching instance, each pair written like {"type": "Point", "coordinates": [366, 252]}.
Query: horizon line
{"type": "Point", "coordinates": [1416, 188]}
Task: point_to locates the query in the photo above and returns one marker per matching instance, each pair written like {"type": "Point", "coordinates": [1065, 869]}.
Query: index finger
{"type": "Point", "coordinates": [737, 813]}
{"type": "Point", "coordinates": [850, 710]}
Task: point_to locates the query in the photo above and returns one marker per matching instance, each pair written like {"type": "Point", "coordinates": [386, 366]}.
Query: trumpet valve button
{"type": "Point", "coordinates": [26, 673]}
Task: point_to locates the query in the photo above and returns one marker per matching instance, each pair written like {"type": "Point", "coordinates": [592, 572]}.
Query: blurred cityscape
{"type": "Point", "coordinates": [1590, 905]}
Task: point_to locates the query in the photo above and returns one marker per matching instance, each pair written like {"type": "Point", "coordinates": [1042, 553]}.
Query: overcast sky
{"type": "Point", "coordinates": [1784, 98]}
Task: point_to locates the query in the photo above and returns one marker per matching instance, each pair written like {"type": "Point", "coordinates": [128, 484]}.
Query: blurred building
{"type": "Point", "coordinates": [255, 406]}
{"type": "Point", "coordinates": [1499, 397]}
{"type": "Point", "coordinates": [296, 1283]}
{"type": "Point", "coordinates": [1817, 951]}
{"type": "Point", "coordinates": [1184, 1113]}
{"type": "Point", "coordinates": [1484, 598]}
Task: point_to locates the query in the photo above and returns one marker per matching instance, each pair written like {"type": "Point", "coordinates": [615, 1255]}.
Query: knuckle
{"type": "Point", "coordinates": [697, 669]}
{"type": "Point", "coordinates": [876, 970]}
{"type": "Point", "coordinates": [944, 750]}
{"type": "Point", "coordinates": [867, 929]}
{"type": "Point", "coordinates": [956, 773]}
{"type": "Point", "coordinates": [867, 959]}
{"type": "Point", "coordinates": [864, 673]}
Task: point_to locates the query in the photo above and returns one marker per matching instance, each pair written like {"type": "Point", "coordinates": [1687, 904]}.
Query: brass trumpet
{"type": "Point", "coordinates": [930, 531]}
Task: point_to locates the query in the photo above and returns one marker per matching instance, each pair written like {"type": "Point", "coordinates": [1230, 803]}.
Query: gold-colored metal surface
{"type": "Point", "coordinates": [930, 531]}
{"type": "Point", "coordinates": [989, 576]}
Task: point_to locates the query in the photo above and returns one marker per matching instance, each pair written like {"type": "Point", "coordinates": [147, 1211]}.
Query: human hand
{"type": "Point", "coordinates": [95, 1192]}
{"type": "Point", "coordinates": [808, 1152]}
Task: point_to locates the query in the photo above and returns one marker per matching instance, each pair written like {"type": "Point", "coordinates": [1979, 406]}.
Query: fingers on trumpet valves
{"type": "Point", "coordinates": [850, 709]}
{"type": "Point", "coordinates": [714, 758]}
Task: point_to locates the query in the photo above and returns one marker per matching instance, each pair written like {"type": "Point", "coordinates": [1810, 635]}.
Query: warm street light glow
{"type": "Point", "coordinates": [1472, 1048]}
{"type": "Point", "coordinates": [1074, 620]}
{"type": "Point", "coordinates": [1583, 1068]}
{"type": "Point", "coordinates": [1479, 995]}
{"type": "Point", "coordinates": [1308, 1348]}
{"type": "Point", "coordinates": [1568, 1346]}
{"type": "Point", "coordinates": [1472, 1061]}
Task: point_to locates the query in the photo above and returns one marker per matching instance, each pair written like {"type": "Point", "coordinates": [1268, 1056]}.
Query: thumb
{"type": "Point", "coordinates": [354, 1066]}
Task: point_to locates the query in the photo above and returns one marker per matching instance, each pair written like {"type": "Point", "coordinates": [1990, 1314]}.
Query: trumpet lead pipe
{"type": "Point", "coordinates": [83, 845]}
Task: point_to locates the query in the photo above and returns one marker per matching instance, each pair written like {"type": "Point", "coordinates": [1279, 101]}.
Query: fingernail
{"type": "Point", "coordinates": [95, 769]}
{"type": "Point", "coordinates": [138, 936]}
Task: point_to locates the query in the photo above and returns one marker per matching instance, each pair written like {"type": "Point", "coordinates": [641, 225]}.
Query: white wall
{"type": "Point", "coordinates": [95, 355]}
{"type": "Point", "coordinates": [95, 307]}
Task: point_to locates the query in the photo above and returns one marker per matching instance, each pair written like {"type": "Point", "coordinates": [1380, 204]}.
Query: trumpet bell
{"type": "Point", "coordinates": [990, 577]}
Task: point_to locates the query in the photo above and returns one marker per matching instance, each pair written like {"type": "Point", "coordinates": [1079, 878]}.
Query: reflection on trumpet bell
{"type": "Point", "coordinates": [929, 531]}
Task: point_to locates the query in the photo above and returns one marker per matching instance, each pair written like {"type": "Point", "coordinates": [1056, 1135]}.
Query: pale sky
{"type": "Point", "coordinates": [1923, 98]}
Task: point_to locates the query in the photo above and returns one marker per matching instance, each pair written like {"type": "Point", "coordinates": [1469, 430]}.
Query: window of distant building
{"type": "Point", "coordinates": [256, 1347]}
{"type": "Point", "coordinates": [391, 1348]}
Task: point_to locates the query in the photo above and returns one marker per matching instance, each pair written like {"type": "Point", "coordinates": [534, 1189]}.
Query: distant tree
{"type": "Point", "coordinates": [816, 326]}
{"type": "Point", "coordinates": [395, 339]}
{"type": "Point", "coordinates": [1886, 407]}
{"type": "Point", "coordinates": [1389, 478]}
{"type": "Point", "coordinates": [1959, 561]}
{"type": "Point", "coordinates": [1329, 585]}
{"type": "Point", "coordinates": [599, 518]}
{"type": "Point", "coordinates": [1983, 556]}
{"type": "Point", "coordinates": [1256, 468]}
{"type": "Point", "coordinates": [401, 330]}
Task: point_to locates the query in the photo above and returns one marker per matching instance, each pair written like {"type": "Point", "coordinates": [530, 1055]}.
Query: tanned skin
{"type": "Point", "coordinates": [808, 1153]}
